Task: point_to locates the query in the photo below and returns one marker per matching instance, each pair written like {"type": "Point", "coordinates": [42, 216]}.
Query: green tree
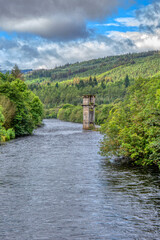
{"type": "Point", "coordinates": [95, 81]}
{"type": "Point", "coordinates": [103, 86]}
{"type": "Point", "coordinates": [17, 73]}
{"type": "Point", "coordinates": [132, 128]}
{"type": "Point", "coordinates": [126, 81]}
{"type": "Point", "coordinates": [27, 108]}
{"type": "Point", "coordinates": [81, 84]}
{"type": "Point", "coordinates": [90, 81]}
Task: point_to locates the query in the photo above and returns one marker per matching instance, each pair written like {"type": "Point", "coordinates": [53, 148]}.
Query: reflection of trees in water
{"type": "Point", "coordinates": [139, 185]}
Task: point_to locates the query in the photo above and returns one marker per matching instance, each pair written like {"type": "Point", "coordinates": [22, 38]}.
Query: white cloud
{"type": "Point", "coordinates": [149, 15]}
{"type": "Point", "coordinates": [107, 25]}
{"type": "Point", "coordinates": [142, 41]}
{"type": "Point", "coordinates": [129, 22]}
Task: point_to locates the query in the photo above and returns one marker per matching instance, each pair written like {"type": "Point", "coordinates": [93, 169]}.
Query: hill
{"type": "Point", "coordinates": [114, 66]}
{"type": "Point", "coordinates": [107, 85]}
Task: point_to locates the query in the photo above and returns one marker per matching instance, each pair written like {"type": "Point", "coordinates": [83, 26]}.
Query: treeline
{"type": "Point", "coordinates": [68, 96]}
{"type": "Point", "coordinates": [53, 95]}
{"type": "Point", "coordinates": [20, 109]}
{"type": "Point", "coordinates": [71, 113]}
{"type": "Point", "coordinates": [87, 68]}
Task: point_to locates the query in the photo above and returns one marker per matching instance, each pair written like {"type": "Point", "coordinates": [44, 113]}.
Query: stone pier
{"type": "Point", "coordinates": [88, 112]}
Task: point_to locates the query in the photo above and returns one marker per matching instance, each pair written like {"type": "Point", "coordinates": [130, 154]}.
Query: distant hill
{"type": "Point", "coordinates": [23, 71]}
{"type": "Point", "coordinates": [26, 70]}
{"type": "Point", "coordinates": [143, 64]}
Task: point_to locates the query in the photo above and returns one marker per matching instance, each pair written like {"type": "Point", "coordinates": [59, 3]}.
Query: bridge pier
{"type": "Point", "coordinates": [88, 112]}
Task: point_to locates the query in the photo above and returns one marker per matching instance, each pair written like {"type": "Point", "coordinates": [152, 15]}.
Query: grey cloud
{"type": "Point", "coordinates": [117, 46]}
{"type": "Point", "coordinates": [149, 17]}
{"type": "Point", "coordinates": [8, 64]}
{"type": "Point", "coordinates": [56, 19]}
{"type": "Point", "coordinates": [29, 52]}
{"type": "Point", "coordinates": [7, 44]}
{"type": "Point", "coordinates": [128, 42]}
{"type": "Point", "coordinates": [52, 53]}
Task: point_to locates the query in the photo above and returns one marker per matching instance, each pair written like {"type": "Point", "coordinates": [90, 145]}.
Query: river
{"type": "Point", "coordinates": [55, 186]}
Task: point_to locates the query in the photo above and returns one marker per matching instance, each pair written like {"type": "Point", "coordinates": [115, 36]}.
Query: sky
{"type": "Point", "coordinates": [40, 34]}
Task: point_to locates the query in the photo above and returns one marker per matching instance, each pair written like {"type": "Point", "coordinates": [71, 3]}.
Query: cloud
{"type": "Point", "coordinates": [140, 41]}
{"type": "Point", "coordinates": [129, 22]}
{"type": "Point", "coordinates": [6, 45]}
{"type": "Point", "coordinates": [149, 17]}
{"type": "Point", "coordinates": [47, 54]}
{"type": "Point", "coordinates": [54, 19]}
{"type": "Point", "coordinates": [107, 24]}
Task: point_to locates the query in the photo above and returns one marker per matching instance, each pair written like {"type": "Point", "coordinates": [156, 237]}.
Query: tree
{"type": "Point", "coordinates": [24, 108]}
{"type": "Point", "coordinates": [102, 84]}
{"type": "Point", "coordinates": [126, 81]}
{"type": "Point", "coordinates": [90, 81]}
{"type": "Point", "coordinates": [95, 81]}
{"type": "Point", "coordinates": [81, 84]}
{"type": "Point", "coordinates": [17, 73]}
{"type": "Point", "coordinates": [133, 126]}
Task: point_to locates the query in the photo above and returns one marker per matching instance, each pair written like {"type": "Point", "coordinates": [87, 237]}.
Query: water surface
{"type": "Point", "coordinates": [55, 185]}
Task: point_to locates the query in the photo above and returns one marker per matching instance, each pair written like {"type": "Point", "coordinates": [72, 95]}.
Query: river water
{"type": "Point", "coordinates": [55, 186]}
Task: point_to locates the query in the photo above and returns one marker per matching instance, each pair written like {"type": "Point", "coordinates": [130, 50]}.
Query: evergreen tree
{"type": "Point", "coordinates": [17, 73]}
{"type": "Point", "coordinates": [95, 81]}
{"type": "Point", "coordinates": [81, 84]}
{"type": "Point", "coordinates": [90, 81]}
{"type": "Point", "coordinates": [126, 81]}
{"type": "Point", "coordinates": [103, 85]}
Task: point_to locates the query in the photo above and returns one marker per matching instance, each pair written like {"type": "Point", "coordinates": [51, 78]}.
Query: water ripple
{"type": "Point", "coordinates": [54, 185]}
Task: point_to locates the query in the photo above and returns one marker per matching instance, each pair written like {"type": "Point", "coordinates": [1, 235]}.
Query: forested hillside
{"type": "Point", "coordinates": [108, 86]}
{"type": "Point", "coordinates": [139, 63]}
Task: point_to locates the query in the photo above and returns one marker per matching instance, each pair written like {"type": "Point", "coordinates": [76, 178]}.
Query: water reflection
{"type": "Point", "coordinates": [54, 185]}
{"type": "Point", "coordinates": [135, 194]}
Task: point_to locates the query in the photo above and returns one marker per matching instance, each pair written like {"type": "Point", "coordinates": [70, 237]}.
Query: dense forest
{"type": "Point", "coordinates": [127, 90]}
{"type": "Point", "coordinates": [21, 110]}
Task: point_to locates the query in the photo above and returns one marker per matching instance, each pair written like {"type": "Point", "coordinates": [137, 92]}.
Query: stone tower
{"type": "Point", "coordinates": [88, 111]}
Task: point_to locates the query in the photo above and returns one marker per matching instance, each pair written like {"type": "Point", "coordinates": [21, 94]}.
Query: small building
{"type": "Point", "coordinates": [88, 112]}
